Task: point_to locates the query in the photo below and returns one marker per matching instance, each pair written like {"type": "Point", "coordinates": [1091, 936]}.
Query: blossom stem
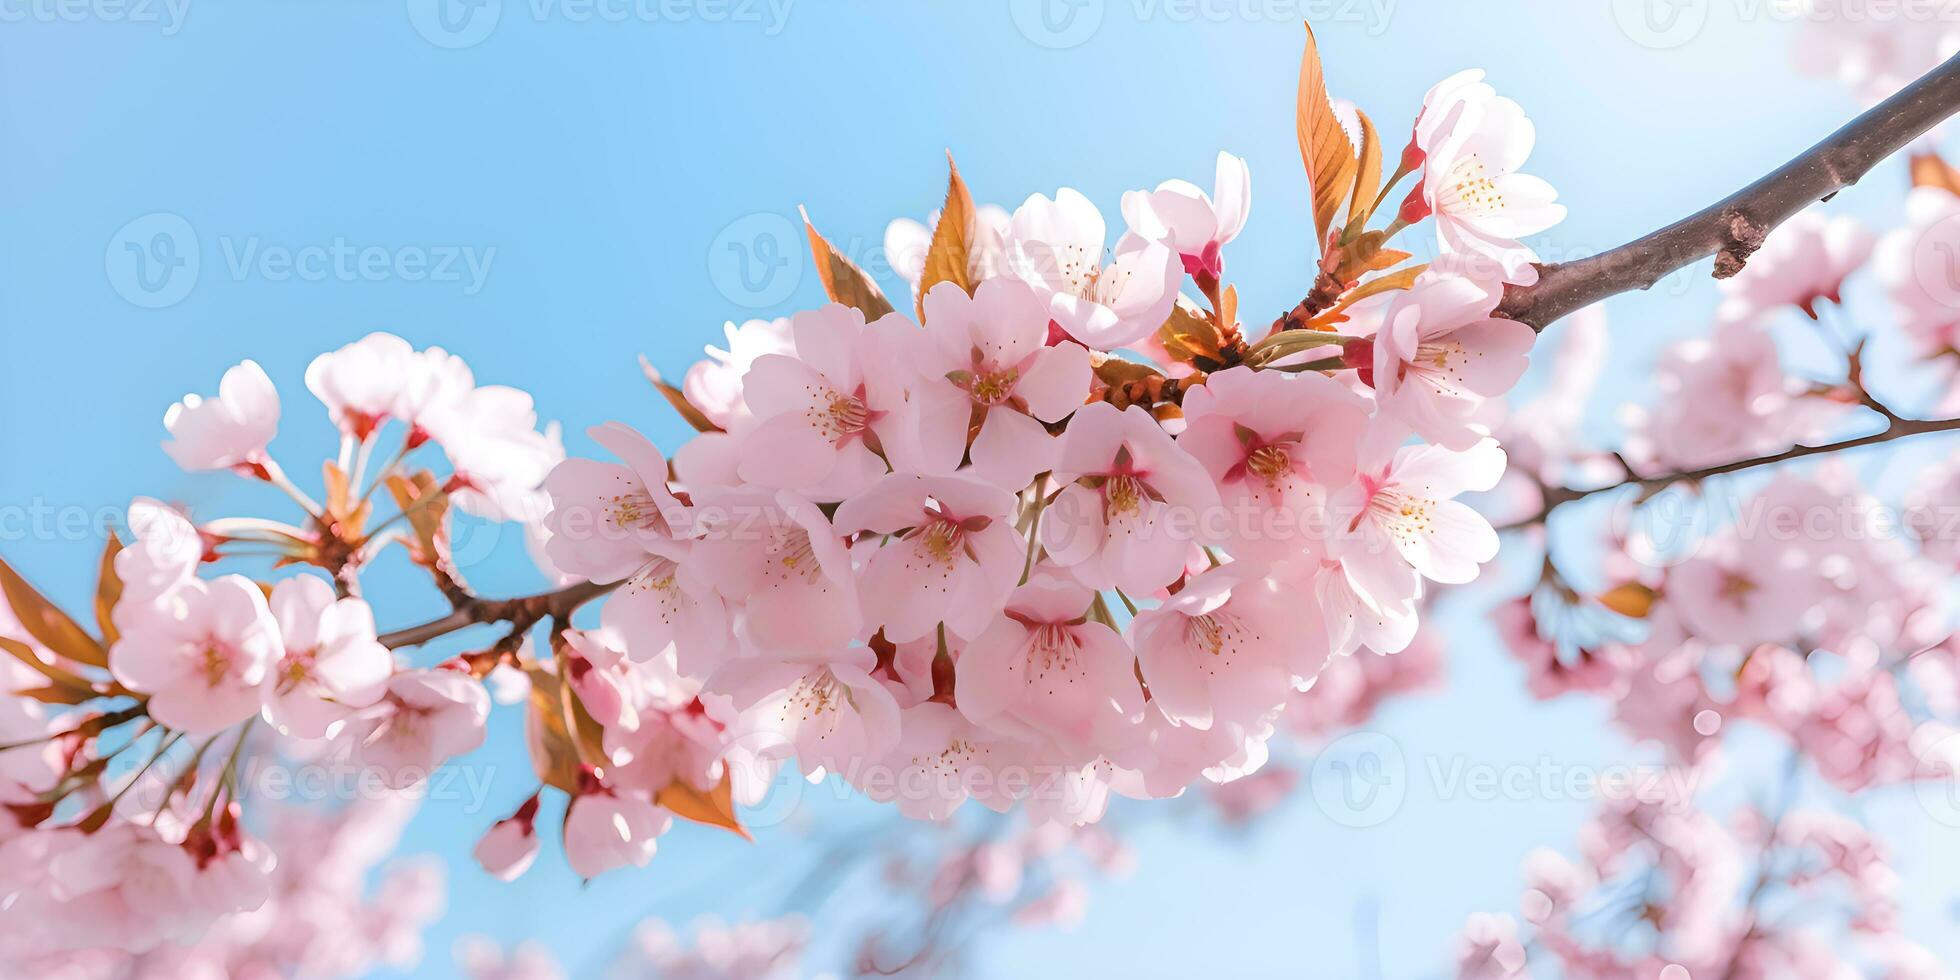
{"type": "Point", "coordinates": [1898, 428]}
{"type": "Point", "coordinates": [476, 611]}
{"type": "Point", "coordinates": [277, 477]}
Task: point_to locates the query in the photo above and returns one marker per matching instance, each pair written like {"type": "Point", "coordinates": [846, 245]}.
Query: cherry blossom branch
{"type": "Point", "coordinates": [1735, 227]}
{"type": "Point", "coordinates": [522, 611]}
{"type": "Point", "coordinates": [1897, 428]}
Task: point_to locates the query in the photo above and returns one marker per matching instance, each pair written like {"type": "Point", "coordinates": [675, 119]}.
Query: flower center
{"type": "Point", "coordinates": [1217, 632]}
{"type": "Point", "coordinates": [1270, 463]}
{"type": "Point", "coordinates": [841, 418]}
{"type": "Point", "coordinates": [1123, 496]}
{"type": "Point", "coordinates": [991, 388]}
{"type": "Point", "coordinates": [217, 665]}
{"type": "Point", "coordinates": [815, 695]}
{"type": "Point", "coordinates": [659, 575]}
{"type": "Point", "coordinates": [1736, 588]}
{"type": "Point", "coordinates": [794, 556]}
{"type": "Point", "coordinates": [943, 540]}
{"type": "Point", "coordinates": [1403, 517]}
{"type": "Point", "coordinates": [1052, 650]}
{"type": "Point", "coordinates": [636, 509]}
{"type": "Point", "coordinates": [1469, 189]}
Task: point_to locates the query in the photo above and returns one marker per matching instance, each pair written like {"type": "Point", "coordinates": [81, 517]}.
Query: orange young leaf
{"type": "Point", "coordinates": [949, 258]}
{"type": "Point", "coordinates": [843, 281]}
{"type": "Point", "coordinates": [1324, 145]}
{"type": "Point", "coordinates": [554, 755]}
{"type": "Point", "coordinates": [422, 499]}
{"type": "Point", "coordinates": [677, 398]}
{"type": "Point", "coordinates": [1367, 175]}
{"type": "Point", "coordinates": [1928, 170]}
{"type": "Point", "coordinates": [1187, 335]}
{"type": "Point", "coordinates": [1631, 600]}
{"type": "Point", "coordinates": [715, 808]}
{"type": "Point", "coordinates": [45, 622]}
{"type": "Point", "coordinates": [1399, 279]}
{"type": "Point", "coordinates": [69, 685]}
{"type": "Point", "coordinates": [108, 590]}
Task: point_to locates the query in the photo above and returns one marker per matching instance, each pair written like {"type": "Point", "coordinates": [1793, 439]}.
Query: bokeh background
{"type": "Point", "coordinates": [552, 188]}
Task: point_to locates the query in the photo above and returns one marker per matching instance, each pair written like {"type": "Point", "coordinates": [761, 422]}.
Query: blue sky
{"type": "Point", "coordinates": [552, 187]}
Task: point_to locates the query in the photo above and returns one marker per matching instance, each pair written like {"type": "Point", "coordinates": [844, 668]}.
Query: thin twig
{"type": "Point", "coordinates": [527, 610]}
{"type": "Point", "coordinates": [1898, 428]}
{"type": "Point", "coordinates": [1735, 227]}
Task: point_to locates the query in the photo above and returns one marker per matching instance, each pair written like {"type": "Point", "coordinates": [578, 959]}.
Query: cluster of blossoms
{"type": "Point", "coordinates": [986, 555]}
{"type": "Point", "coordinates": [1801, 605]}
{"type": "Point", "coordinates": [1068, 532]}
{"type": "Point", "coordinates": [1653, 895]}
{"type": "Point", "coordinates": [148, 862]}
{"type": "Point", "coordinates": [770, 949]}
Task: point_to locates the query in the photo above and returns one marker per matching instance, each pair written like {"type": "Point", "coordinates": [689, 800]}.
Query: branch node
{"type": "Point", "coordinates": [1741, 237]}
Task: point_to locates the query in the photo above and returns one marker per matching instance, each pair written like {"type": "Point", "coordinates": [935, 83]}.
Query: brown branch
{"type": "Point", "coordinates": [1899, 428]}
{"type": "Point", "coordinates": [1734, 228]}
{"type": "Point", "coordinates": [523, 612]}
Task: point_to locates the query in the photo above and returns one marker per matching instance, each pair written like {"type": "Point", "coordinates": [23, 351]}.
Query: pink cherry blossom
{"type": "Point", "coordinates": [1192, 223]}
{"type": "Point", "coordinates": [164, 554]}
{"type": "Point", "coordinates": [1726, 397]}
{"type": "Point", "coordinates": [1919, 265]}
{"type": "Point", "coordinates": [1132, 505]}
{"type": "Point", "coordinates": [1873, 50]}
{"type": "Point", "coordinates": [1275, 445]}
{"type": "Point", "coordinates": [200, 651]}
{"type": "Point", "coordinates": [942, 760]}
{"type": "Point", "coordinates": [361, 383]}
{"type": "Point", "coordinates": [1474, 141]}
{"type": "Point", "coordinates": [331, 666]}
{"type": "Point", "coordinates": [778, 558]}
{"type": "Point", "coordinates": [1440, 353]}
{"type": "Point", "coordinates": [1057, 247]}
{"type": "Point", "coordinates": [1741, 590]}
{"type": "Point", "coordinates": [606, 830]}
{"type": "Point", "coordinates": [985, 356]}
{"type": "Point", "coordinates": [501, 457]}
{"type": "Point", "coordinates": [830, 713]}
{"type": "Point", "coordinates": [509, 847]}
{"type": "Point", "coordinates": [951, 554]}
{"type": "Point", "coordinates": [480, 958]}
{"type": "Point", "coordinates": [426, 718]}
{"type": "Point", "coordinates": [607, 520]}
{"type": "Point", "coordinates": [1043, 669]}
{"type": "Point", "coordinates": [1356, 619]}
{"type": "Point", "coordinates": [1804, 261]}
{"type": "Point", "coordinates": [1228, 647]}
{"type": "Point", "coordinates": [620, 523]}
{"type": "Point", "coordinates": [714, 385]}
{"type": "Point", "coordinates": [1400, 522]}
{"type": "Point", "coordinates": [825, 415]}
{"type": "Point", "coordinates": [230, 431]}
